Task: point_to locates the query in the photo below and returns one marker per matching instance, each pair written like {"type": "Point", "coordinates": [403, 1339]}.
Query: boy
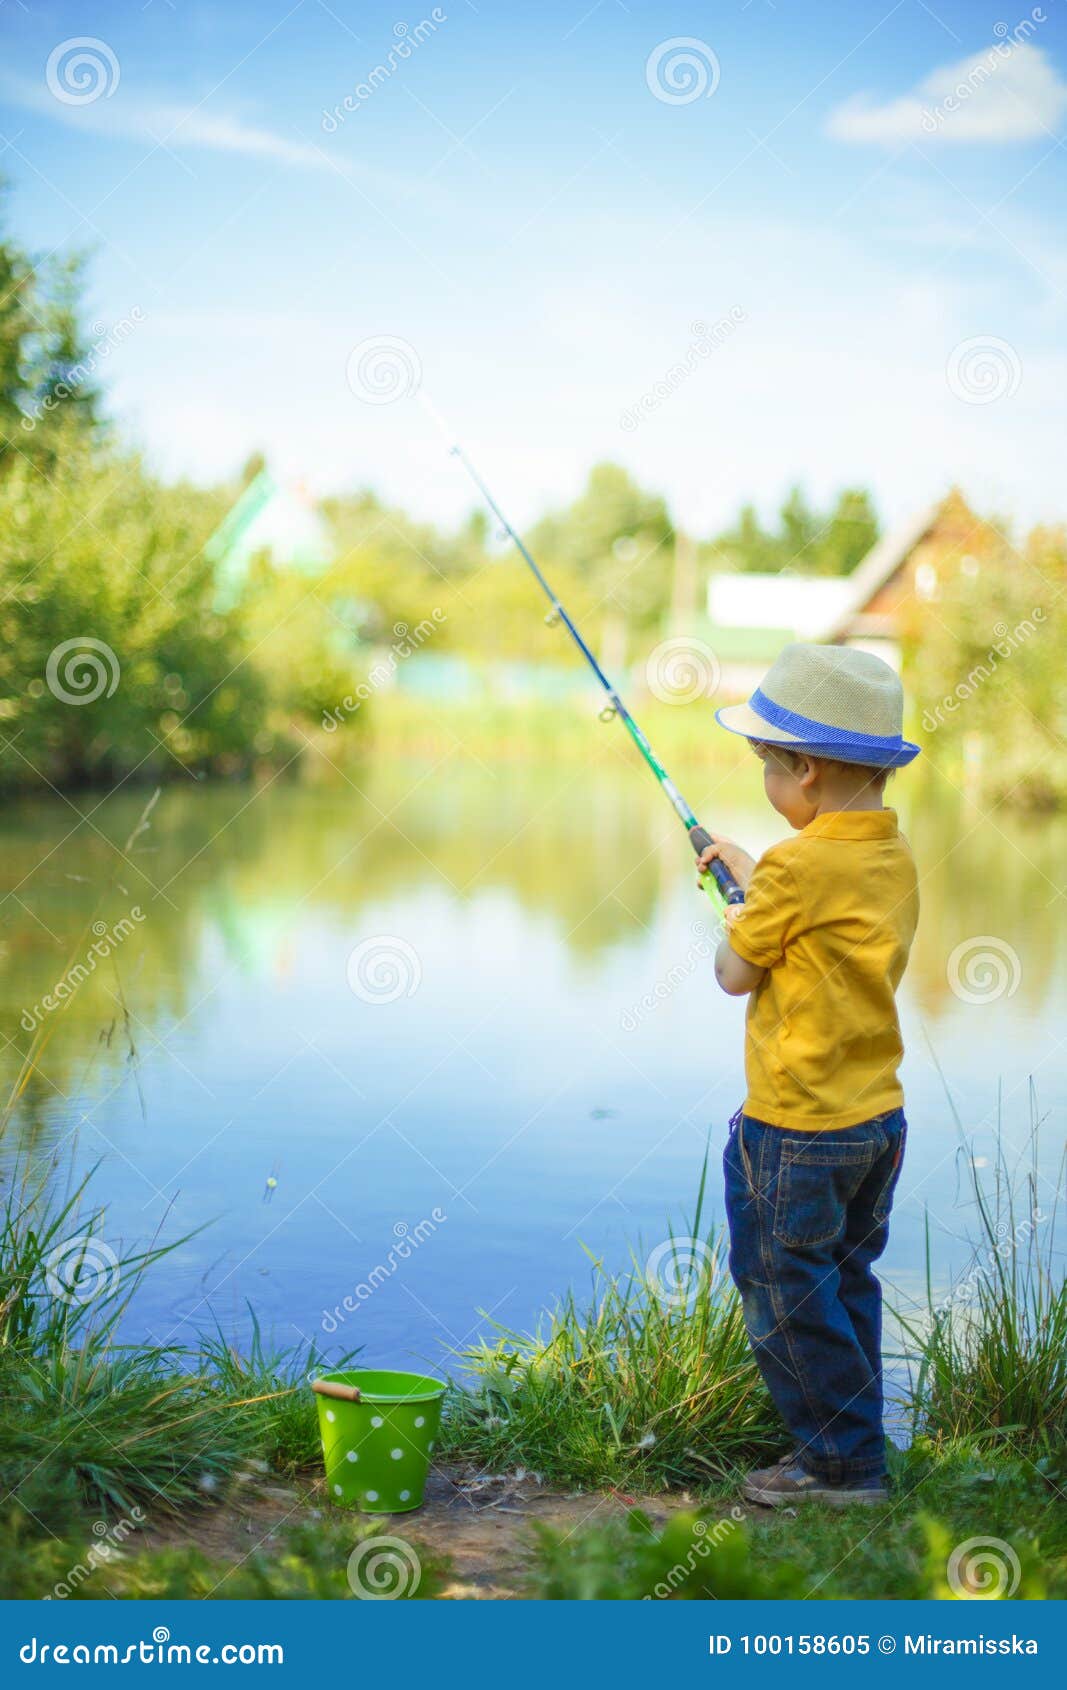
{"type": "Point", "coordinates": [814, 1154]}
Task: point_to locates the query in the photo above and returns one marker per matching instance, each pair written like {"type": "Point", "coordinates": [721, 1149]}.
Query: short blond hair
{"type": "Point", "coordinates": [789, 753]}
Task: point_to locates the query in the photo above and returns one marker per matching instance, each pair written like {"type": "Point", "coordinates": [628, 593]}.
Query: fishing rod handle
{"type": "Point", "coordinates": [700, 839]}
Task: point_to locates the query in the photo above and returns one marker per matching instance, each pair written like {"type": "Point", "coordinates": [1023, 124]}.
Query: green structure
{"type": "Point", "coordinates": [270, 519]}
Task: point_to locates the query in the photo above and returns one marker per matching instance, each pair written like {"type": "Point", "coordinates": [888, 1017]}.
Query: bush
{"type": "Point", "coordinates": [108, 601]}
{"type": "Point", "coordinates": [694, 1557]}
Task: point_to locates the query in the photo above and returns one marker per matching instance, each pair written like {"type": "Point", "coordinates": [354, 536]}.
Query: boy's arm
{"type": "Point", "coordinates": [736, 976]}
{"type": "Point", "coordinates": [758, 931]}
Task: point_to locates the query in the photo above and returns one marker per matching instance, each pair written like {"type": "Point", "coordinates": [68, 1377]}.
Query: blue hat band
{"type": "Point", "coordinates": [818, 733]}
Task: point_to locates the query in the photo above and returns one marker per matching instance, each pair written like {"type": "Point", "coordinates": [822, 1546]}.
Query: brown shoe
{"type": "Point", "coordinates": [776, 1487]}
{"type": "Point", "coordinates": [760, 1474]}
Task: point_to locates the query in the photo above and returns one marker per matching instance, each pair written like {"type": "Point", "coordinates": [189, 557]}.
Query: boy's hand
{"type": "Point", "coordinates": [738, 861]}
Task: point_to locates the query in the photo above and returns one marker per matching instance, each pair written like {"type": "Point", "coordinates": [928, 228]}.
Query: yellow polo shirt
{"type": "Point", "coordinates": [830, 914]}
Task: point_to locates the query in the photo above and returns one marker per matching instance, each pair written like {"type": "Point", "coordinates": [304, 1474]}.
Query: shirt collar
{"type": "Point", "coordinates": [853, 824]}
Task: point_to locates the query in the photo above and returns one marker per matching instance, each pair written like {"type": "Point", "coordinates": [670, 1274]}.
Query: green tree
{"type": "Point", "coordinates": [747, 545]}
{"type": "Point", "coordinates": [618, 539]}
{"type": "Point", "coordinates": [804, 541]}
{"type": "Point", "coordinates": [984, 663]}
{"type": "Point", "coordinates": [46, 363]}
{"type": "Point", "coordinates": [112, 659]}
{"type": "Point", "coordinates": [799, 533]}
{"type": "Point", "coordinates": [61, 362]}
{"type": "Point", "coordinates": [850, 533]}
{"type": "Point", "coordinates": [16, 328]}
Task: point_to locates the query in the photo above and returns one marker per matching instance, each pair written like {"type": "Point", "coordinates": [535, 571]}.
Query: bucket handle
{"type": "Point", "coordinates": [333, 1388]}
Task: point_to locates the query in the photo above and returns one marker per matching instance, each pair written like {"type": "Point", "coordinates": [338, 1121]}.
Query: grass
{"type": "Point", "coordinates": [268, 1389]}
{"type": "Point", "coordinates": [993, 1352]}
{"type": "Point", "coordinates": [309, 1561]}
{"type": "Point", "coordinates": [634, 1387]}
{"type": "Point", "coordinates": [89, 1422]}
{"type": "Point", "coordinates": [945, 1496]}
{"type": "Point", "coordinates": [647, 1384]}
{"type": "Point", "coordinates": [96, 1431]}
{"type": "Point", "coordinates": [988, 1459]}
{"type": "Point", "coordinates": [559, 730]}
{"type": "Point", "coordinates": [694, 1557]}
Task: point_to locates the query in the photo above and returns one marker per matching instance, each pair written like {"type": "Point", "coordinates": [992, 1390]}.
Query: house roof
{"type": "Point", "coordinates": [881, 564]}
{"type": "Point", "coordinates": [277, 518]}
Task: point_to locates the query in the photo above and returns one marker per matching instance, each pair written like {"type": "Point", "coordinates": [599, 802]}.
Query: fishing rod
{"type": "Point", "coordinates": [726, 887]}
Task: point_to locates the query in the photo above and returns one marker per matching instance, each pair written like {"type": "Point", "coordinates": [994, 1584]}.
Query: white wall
{"type": "Point", "coordinates": [808, 606]}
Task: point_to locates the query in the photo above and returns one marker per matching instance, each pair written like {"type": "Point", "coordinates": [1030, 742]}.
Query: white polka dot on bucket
{"type": "Point", "coordinates": [351, 1456]}
{"type": "Point", "coordinates": [330, 1416]}
{"type": "Point", "coordinates": [376, 1420]}
{"type": "Point", "coordinates": [372, 1496]}
{"type": "Point", "coordinates": [430, 1445]}
{"type": "Point", "coordinates": [405, 1496]}
{"type": "Point", "coordinates": [420, 1419]}
{"type": "Point", "coordinates": [337, 1491]}
{"type": "Point", "coordinates": [397, 1454]}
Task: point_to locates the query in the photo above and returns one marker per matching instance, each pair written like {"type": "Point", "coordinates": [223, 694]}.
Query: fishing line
{"type": "Point", "coordinates": [719, 882]}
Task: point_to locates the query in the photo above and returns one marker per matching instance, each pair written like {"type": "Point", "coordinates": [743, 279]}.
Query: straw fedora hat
{"type": "Point", "coordinates": [829, 700]}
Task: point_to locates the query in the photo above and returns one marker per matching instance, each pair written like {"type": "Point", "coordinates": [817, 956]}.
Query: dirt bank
{"type": "Point", "coordinates": [482, 1524]}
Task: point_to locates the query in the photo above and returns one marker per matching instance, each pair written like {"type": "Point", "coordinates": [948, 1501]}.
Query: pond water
{"type": "Point", "coordinates": [464, 1019]}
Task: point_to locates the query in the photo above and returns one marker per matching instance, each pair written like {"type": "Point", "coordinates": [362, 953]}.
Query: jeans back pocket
{"type": "Point", "coordinates": [815, 1184]}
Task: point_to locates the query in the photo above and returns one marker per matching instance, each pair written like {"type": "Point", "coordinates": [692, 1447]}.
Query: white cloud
{"type": "Point", "coordinates": [191, 127]}
{"type": "Point", "coordinates": [1007, 93]}
{"type": "Point", "coordinates": [839, 379]}
{"type": "Point", "coordinates": [164, 123]}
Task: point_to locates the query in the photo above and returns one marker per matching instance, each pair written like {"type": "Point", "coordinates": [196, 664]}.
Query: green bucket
{"type": "Point", "coordinates": [378, 1430]}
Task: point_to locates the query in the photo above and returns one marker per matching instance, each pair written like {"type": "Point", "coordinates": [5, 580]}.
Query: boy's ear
{"type": "Point", "coordinates": [805, 770]}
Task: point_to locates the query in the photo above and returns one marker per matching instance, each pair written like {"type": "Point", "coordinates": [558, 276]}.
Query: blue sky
{"type": "Point", "coordinates": [881, 272]}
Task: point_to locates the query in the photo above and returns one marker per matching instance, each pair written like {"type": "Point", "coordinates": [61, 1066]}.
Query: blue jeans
{"type": "Point", "coordinates": [808, 1216]}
